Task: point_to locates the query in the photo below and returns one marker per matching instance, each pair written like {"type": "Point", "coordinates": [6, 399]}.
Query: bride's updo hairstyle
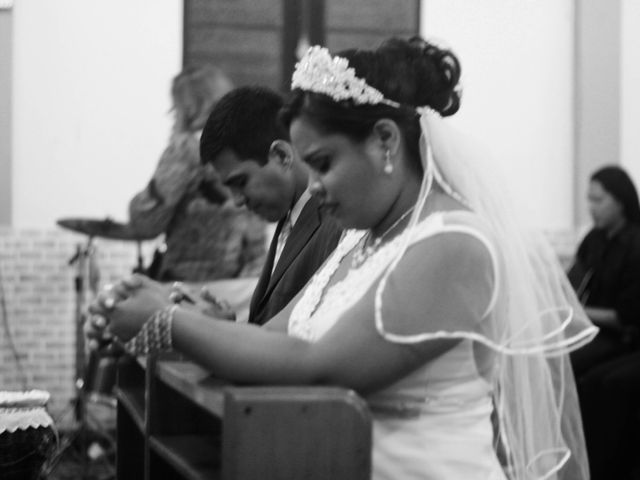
{"type": "Point", "coordinates": [413, 73]}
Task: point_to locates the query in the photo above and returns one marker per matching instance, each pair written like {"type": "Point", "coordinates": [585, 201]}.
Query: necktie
{"type": "Point", "coordinates": [282, 240]}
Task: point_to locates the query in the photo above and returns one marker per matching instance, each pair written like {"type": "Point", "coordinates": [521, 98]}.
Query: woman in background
{"type": "Point", "coordinates": [206, 238]}
{"type": "Point", "coordinates": [606, 271]}
{"type": "Point", "coordinates": [606, 276]}
{"type": "Point", "coordinates": [434, 306]}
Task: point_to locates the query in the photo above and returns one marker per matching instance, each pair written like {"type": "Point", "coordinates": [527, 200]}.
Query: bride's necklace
{"type": "Point", "coordinates": [365, 251]}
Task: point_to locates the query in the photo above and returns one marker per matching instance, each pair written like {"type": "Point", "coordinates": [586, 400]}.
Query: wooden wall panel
{"type": "Point", "coordinates": [376, 15]}
{"type": "Point", "coordinates": [365, 23]}
{"type": "Point", "coordinates": [234, 12]}
{"type": "Point", "coordinates": [247, 55]}
{"type": "Point", "coordinates": [242, 37]}
{"type": "Point", "coordinates": [254, 41]}
{"type": "Point", "coordinates": [337, 41]}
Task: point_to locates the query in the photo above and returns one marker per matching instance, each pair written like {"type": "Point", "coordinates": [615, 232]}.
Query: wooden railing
{"type": "Point", "coordinates": [175, 421]}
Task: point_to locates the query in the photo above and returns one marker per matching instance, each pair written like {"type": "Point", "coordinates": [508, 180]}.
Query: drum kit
{"type": "Point", "coordinates": [106, 228]}
{"type": "Point", "coordinates": [95, 375]}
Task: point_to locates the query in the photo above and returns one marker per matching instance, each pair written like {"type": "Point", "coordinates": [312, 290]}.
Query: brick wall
{"type": "Point", "coordinates": [40, 298]}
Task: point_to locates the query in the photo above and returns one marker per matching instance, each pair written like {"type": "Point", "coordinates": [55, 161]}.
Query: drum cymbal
{"type": "Point", "coordinates": [106, 228]}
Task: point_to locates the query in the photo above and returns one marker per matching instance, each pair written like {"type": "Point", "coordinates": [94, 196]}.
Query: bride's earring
{"type": "Point", "coordinates": [388, 166]}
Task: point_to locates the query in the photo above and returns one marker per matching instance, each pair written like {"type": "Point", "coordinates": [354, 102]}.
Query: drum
{"type": "Point", "coordinates": [27, 434]}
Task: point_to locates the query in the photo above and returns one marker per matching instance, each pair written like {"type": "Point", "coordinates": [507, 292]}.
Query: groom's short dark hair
{"type": "Point", "coordinates": [245, 120]}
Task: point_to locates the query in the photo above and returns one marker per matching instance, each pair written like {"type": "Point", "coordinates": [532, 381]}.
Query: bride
{"type": "Point", "coordinates": [450, 320]}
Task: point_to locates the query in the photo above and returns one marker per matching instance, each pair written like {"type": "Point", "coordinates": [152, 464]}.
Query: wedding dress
{"type": "Point", "coordinates": [435, 423]}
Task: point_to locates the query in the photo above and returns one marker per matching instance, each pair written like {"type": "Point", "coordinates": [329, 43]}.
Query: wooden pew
{"type": "Point", "coordinates": [175, 421]}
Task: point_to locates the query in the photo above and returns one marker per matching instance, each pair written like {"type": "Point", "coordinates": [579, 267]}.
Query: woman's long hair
{"type": "Point", "coordinates": [194, 92]}
{"type": "Point", "coordinates": [618, 183]}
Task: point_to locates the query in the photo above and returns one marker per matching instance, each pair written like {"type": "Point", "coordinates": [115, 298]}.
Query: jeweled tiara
{"type": "Point", "coordinates": [319, 72]}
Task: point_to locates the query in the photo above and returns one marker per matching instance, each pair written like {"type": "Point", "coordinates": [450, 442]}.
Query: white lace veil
{"type": "Point", "coordinates": [535, 322]}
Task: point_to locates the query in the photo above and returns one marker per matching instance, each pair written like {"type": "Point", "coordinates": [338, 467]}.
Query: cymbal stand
{"type": "Point", "coordinates": [85, 281]}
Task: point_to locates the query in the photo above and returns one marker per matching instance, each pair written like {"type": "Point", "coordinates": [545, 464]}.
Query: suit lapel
{"type": "Point", "coordinates": [307, 223]}
{"type": "Point", "coordinates": [265, 275]}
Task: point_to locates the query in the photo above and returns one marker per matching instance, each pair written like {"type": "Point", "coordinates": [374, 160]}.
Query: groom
{"type": "Point", "coordinates": [247, 146]}
{"type": "Point", "coordinates": [244, 142]}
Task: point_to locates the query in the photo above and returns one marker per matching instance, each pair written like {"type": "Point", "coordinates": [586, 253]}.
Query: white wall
{"type": "Point", "coordinates": [90, 101]}
{"type": "Point", "coordinates": [517, 61]}
{"type": "Point", "coordinates": [6, 35]}
{"type": "Point", "coordinates": [630, 91]}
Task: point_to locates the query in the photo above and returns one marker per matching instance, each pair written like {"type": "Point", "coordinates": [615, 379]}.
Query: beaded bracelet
{"type": "Point", "coordinates": [155, 334]}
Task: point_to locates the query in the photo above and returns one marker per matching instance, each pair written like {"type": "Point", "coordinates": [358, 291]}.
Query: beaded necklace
{"type": "Point", "coordinates": [365, 251]}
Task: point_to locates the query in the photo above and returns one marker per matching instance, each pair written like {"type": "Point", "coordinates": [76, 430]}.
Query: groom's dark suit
{"type": "Point", "coordinates": [310, 242]}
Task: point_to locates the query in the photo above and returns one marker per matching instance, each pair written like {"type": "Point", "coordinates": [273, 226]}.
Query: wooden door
{"type": "Point", "coordinates": [258, 42]}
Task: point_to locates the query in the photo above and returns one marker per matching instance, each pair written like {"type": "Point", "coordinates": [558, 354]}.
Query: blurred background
{"type": "Point", "coordinates": [84, 117]}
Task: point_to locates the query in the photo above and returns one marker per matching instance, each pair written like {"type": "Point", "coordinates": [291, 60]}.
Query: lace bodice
{"type": "Point", "coordinates": [325, 300]}
{"type": "Point", "coordinates": [456, 378]}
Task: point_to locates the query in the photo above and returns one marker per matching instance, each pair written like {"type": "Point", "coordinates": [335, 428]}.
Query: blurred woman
{"type": "Point", "coordinates": [606, 276]}
{"type": "Point", "coordinates": [606, 272]}
{"type": "Point", "coordinates": [206, 237]}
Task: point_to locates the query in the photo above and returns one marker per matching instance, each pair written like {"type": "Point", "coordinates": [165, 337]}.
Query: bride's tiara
{"type": "Point", "coordinates": [319, 72]}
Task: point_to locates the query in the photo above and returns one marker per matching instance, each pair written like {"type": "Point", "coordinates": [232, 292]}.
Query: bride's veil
{"type": "Point", "coordinates": [535, 322]}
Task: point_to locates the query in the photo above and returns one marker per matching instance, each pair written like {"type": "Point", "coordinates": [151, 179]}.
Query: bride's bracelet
{"type": "Point", "coordinates": [155, 334]}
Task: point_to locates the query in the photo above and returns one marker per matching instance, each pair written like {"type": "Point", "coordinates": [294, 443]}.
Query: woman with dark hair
{"type": "Point", "coordinates": [606, 276]}
{"type": "Point", "coordinates": [435, 306]}
{"type": "Point", "coordinates": [615, 181]}
{"type": "Point", "coordinates": [606, 271]}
